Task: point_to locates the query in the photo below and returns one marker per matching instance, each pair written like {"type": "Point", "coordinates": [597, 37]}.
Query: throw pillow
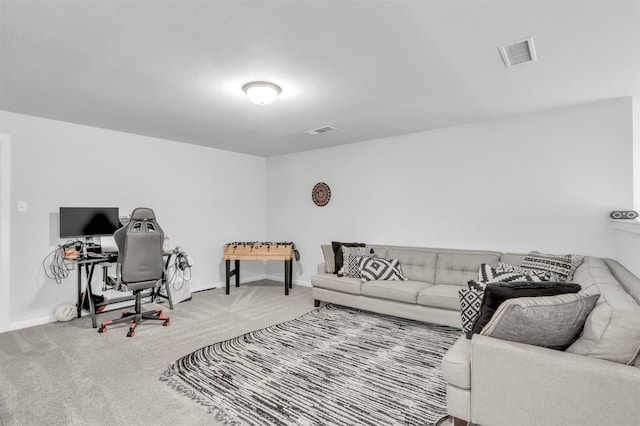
{"type": "Point", "coordinates": [576, 261]}
{"type": "Point", "coordinates": [543, 275]}
{"type": "Point", "coordinates": [489, 274]}
{"type": "Point", "coordinates": [470, 301]}
{"type": "Point", "coordinates": [329, 258]}
{"type": "Point", "coordinates": [495, 294]}
{"type": "Point", "coordinates": [559, 264]}
{"type": "Point", "coordinates": [337, 252]}
{"type": "Point", "coordinates": [351, 265]}
{"type": "Point", "coordinates": [373, 269]}
{"type": "Point", "coordinates": [552, 322]}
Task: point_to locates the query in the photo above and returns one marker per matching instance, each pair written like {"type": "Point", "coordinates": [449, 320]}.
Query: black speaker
{"type": "Point", "coordinates": [624, 214]}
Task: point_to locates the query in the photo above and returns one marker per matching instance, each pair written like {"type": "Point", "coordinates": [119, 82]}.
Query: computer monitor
{"type": "Point", "coordinates": [76, 222]}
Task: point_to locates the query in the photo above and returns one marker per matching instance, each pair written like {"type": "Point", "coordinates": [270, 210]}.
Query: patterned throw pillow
{"type": "Point", "coordinates": [337, 251]}
{"type": "Point", "coordinates": [543, 275]}
{"type": "Point", "coordinates": [351, 265]}
{"type": "Point", "coordinates": [558, 264]}
{"type": "Point", "coordinates": [470, 301]}
{"type": "Point", "coordinates": [488, 274]}
{"type": "Point", "coordinates": [373, 269]}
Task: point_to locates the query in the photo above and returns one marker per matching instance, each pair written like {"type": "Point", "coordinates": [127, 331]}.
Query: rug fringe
{"type": "Point", "coordinates": [169, 377]}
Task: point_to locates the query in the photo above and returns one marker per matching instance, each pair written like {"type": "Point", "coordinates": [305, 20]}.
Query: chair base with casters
{"type": "Point", "coordinates": [136, 317]}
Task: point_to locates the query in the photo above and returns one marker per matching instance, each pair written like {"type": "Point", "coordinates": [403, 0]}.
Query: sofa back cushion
{"type": "Point", "coordinates": [612, 329]}
{"type": "Point", "coordinates": [459, 267]}
{"type": "Point", "coordinates": [417, 264]}
{"type": "Point", "coordinates": [514, 259]}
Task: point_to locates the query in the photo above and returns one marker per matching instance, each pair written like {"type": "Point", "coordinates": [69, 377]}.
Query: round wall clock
{"type": "Point", "coordinates": [321, 194]}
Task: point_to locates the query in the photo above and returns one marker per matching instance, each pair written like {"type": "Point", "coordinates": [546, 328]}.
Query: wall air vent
{"type": "Point", "coordinates": [319, 130]}
{"type": "Point", "coordinates": [518, 53]}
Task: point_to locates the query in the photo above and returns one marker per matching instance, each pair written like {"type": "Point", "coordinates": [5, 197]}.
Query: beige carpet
{"type": "Point", "coordinates": [68, 374]}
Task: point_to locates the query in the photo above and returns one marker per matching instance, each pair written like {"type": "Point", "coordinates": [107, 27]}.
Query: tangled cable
{"type": "Point", "coordinates": [53, 264]}
{"type": "Point", "coordinates": [179, 272]}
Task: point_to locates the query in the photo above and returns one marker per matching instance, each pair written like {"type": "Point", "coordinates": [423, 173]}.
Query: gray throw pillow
{"type": "Point", "coordinates": [329, 258]}
{"type": "Point", "coordinates": [550, 321]}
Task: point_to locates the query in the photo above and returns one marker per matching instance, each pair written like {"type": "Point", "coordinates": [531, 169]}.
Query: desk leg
{"type": "Point", "coordinates": [79, 305]}
{"type": "Point", "coordinates": [89, 293]}
{"type": "Point", "coordinates": [166, 284]}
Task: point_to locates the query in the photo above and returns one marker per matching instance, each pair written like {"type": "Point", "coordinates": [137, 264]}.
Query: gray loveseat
{"type": "Point", "coordinates": [596, 381]}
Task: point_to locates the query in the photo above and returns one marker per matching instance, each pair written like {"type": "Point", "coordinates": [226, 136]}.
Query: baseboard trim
{"type": "Point", "coordinates": [31, 323]}
{"type": "Point", "coordinates": [281, 278]}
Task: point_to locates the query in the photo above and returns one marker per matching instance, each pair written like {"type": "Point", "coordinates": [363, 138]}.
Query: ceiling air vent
{"type": "Point", "coordinates": [518, 53]}
{"type": "Point", "coordinates": [319, 130]}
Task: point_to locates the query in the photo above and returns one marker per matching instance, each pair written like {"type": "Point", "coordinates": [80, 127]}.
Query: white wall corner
{"type": "Point", "coordinates": [5, 229]}
{"type": "Point", "coordinates": [635, 122]}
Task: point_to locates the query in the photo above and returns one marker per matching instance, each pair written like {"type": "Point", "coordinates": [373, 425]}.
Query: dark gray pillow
{"type": "Point", "coordinates": [553, 322]}
{"type": "Point", "coordinates": [495, 294]}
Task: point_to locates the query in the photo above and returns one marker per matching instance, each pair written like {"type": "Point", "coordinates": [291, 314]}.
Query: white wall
{"type": "Point", "coordinates": [544, 181]}
{"type": "Point", "coordinates": [5, 229]}
{"type": "Point", "coordinates": [202, 197]}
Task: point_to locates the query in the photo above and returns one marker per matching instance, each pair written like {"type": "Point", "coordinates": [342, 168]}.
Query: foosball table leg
{"type": "Point", "coordinates": [237, 272]}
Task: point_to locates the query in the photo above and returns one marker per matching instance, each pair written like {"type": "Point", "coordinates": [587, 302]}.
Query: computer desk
{"type": "Point", "coordinates": [89, 264]}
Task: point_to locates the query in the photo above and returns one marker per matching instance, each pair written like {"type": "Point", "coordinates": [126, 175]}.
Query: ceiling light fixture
{"type": "Point", "coordinates": [262, 92]}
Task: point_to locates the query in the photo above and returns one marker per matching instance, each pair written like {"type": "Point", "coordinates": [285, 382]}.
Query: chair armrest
{"type": "Point", "coordinates": [519, 384]}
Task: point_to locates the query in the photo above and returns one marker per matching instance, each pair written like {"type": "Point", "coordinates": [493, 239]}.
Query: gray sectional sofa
{"type": "Point", "coordinates": [596, 381]}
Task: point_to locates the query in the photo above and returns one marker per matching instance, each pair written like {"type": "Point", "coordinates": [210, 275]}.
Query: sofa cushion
{"type": "Point", "coordinates": [612, 330]}
{"type": "Point", "coordinates": [458, 267]}
{"type": "Point", "coordinates": [495, 294]}
{"type": "Point", "coordinates": [456, 364]}
{"type": "Point", "coordinates": [335, 283]}
{"type": "Point", "coordinates": [512, 258]}
{"type": "Point", "coordinates": [377, 268]}
{"type": "Point", "coordinates": [401, 291]}
{"type": "Point", "coordinates": [417, 264]}
{"type": "Point", "coordinates": [552, 321]}
{"type": "Point", "coordinates": [440, 296]}
{"type": "Point", "coordinates": [381, 251]}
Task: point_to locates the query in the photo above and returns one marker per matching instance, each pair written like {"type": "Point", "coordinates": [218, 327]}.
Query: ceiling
{"type": "Point", "coordinates": [372, 69]}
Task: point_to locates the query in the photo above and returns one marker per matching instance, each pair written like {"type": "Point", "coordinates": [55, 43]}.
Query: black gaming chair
{"type": "Point", "coordinates": [140, 265]}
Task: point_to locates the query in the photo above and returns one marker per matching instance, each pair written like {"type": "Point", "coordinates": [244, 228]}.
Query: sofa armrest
{"type": "Point", "coordinates": [322, 269]}
{"type": "Point", "coordinates": [519, 384]}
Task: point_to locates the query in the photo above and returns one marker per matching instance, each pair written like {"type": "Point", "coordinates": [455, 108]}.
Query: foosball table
{"type": "Point", "coordinates": [238, 251]}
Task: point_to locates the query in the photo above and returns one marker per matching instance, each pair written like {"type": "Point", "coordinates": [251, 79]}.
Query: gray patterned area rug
{"type": "Point", "coordinates": [332, 366]}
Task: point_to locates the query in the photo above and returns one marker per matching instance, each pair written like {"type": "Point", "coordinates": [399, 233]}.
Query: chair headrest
{"type": "Point", "coordinates": [142, 213]}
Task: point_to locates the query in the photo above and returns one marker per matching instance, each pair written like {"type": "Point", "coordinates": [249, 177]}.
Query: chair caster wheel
{"type": "Point", "coordinates": [131, 333]}
{"type": "Point", "coordinates": [102, 329]}
{"type": "Point", "coordinates": [166, 323]}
